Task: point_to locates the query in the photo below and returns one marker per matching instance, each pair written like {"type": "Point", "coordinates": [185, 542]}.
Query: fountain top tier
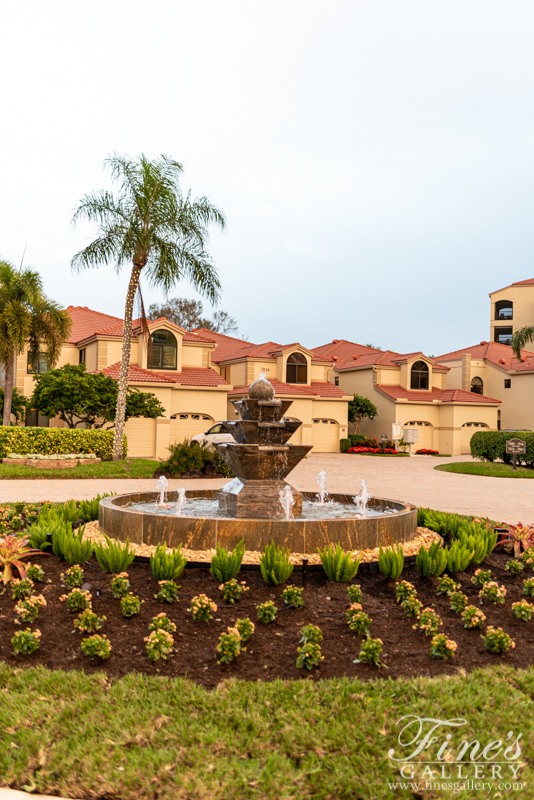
{"type": "Point", "coordinates": [261, 456]}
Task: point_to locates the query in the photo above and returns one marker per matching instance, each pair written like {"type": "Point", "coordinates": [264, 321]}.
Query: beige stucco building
{"type": "Point", "coordinates": [411, 389]}
{"type": "Point", "coordinates": [511, 308]}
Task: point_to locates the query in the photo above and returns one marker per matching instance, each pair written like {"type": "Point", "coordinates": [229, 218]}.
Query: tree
{"type": "Point", "coordinates": [161, 233]}
{"type": "Point", "coordinates": [188, 314]}
{"type": "Point", "coordinates": [28, 319]}
{"type": "Point", "coordinates": [361, 408]}
{"type": "Point", "coordinates": [521, 338]}
{"type": "Point", "coordinates": [79, 397]}
{"type": "Point", "coordinates": [19, 404]}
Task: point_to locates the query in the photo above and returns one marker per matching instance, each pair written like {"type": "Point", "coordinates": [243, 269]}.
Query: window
{"type": "Point", "coordinates": [81, 358]}
{"type": "Point", "coordinates": [164, 351]}
{"type": "Point", "coordinates": [419, 376]}
{"type": "Point", "coordinates": [34, 419]}
{"type": "Point", "coordinates": [507, 383]}
{"type": "Point", "coordinates": [225, 373]}
{"type": "Point", "coordinates": [477, 386]}
{"type": "Point", "coordinates": [39, 366]}
{"type": "Point", "coordinates": [297, 369]}
{"type": "Point", "coordinates": [503, 335]}
{"type": "Point", "coordinates": [217, 429]}
{"type": "Point", "coordinates": [336, 380]}
{"type": "Point", "coordinates": [504, 309]}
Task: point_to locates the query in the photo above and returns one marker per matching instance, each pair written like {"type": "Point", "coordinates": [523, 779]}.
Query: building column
{"type": "Point", "coordinates": [466, 372]}
{"type": "Point", "coordinates": [163, 437]}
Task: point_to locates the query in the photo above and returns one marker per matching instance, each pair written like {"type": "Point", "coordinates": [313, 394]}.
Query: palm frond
{"type": "Point", "coordinates": [521, 338]}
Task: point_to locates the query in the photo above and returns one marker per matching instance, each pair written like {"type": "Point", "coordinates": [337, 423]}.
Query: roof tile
{"type": "Point", "coordinates": [444, 395]}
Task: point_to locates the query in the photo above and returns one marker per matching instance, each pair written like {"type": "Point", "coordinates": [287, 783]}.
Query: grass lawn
{"type": "Point", "coordinates": [136, 738]}
{"type": "Point", "coordinates": [128, 468]}
{"type": "Point", "coordinates": [495, 470]}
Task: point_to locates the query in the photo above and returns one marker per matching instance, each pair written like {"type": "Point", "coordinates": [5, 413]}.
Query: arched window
{"type": "Point", "coordinates": [504, 309]}
{"type": "Point", "coordinates": [297, 369]}
{"type": "Point", "coordinates": [477, 386]}
{"type": "Point", "coordinates": [419, 376]}
{"type": "Point", "coordinates": [164, 350]}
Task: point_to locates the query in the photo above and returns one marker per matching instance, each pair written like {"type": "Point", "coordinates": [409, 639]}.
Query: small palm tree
{"type": "Point", "coordinates": [521, 338]}
{"type": "Point", "coordinates": [151, 226]}
{"type": "Point", "coordinates": [28, 319]}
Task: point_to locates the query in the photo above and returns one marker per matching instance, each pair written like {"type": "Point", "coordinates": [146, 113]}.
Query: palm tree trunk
{"type": "Point", "coordinates": [8, 390]}
{"type": "Point", "coordinates": [125, 362]}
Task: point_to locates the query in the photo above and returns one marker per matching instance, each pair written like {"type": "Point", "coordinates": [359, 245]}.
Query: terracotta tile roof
{"type": "Point", "coordinates": [343, 349]}
{"type": "Point", "coordinates": [528, 282]}
{"type": "Point", "coordinates": [317, 389]}
{"type": "Point", "coordinates": [189, 376]}
{"type": "Point", "coordinates": [229, 348]}
{"type": "Point", "coordinates": [383, 358]}
{"type": "Point", "coordinates": [495, 353]}
{"type": "Point", "coordinates": [85, 322]}
{"type": "Point", "coordinates": [444, 395]}
{"type": "Point", "coordinates": [116, 330]}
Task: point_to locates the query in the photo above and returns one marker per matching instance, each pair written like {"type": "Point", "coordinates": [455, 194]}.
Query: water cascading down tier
{"type": "Point", "coordinates": [261, 457]}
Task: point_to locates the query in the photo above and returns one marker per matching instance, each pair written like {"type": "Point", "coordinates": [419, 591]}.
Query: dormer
{"type": "Point", "coordinates": [293, 365]}
{"type": "Point", "coordinates": [166, 348]}
{"type": "Point", "coordinates": [416, 373]}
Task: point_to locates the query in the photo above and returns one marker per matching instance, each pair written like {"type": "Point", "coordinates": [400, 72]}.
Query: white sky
{"type": "Point", "coordinates": [374, 159]}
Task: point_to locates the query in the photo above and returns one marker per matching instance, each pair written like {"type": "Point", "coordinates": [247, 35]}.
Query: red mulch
{"type": "Point", "coordinates": [272, 650]}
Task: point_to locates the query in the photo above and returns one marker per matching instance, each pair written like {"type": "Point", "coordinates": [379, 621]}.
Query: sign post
{"type": "Point", "coordinates": [384, 439]}
{"type": "Point", "coordinates": [513, 447]}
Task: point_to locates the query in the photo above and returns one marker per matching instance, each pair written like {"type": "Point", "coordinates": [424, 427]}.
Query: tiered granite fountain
{"type": "Point", "coordinates": [259, 505]}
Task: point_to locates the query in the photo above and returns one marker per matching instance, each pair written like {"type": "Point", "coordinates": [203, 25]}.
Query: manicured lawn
{"type": "Point", "coordinates": [128, 468]}
{"type": "Point", "coordinates": [495, 470]}
{"type": "Point", "coordinates": [139, 737]}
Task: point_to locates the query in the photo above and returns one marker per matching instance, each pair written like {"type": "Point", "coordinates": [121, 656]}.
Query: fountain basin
{"type": "Point", "coordinates": [118, 520]}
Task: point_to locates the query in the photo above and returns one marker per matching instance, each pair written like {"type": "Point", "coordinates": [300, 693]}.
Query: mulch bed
{"type": "Point", "coordinates": [272, 650]}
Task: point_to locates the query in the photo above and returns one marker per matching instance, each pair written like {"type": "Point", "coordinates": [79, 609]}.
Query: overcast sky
{"type": "Point", "coordinates": [374, 159]}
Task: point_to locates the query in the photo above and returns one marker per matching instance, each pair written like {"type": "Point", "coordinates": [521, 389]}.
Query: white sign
{"type": "Point", "coordinates": [396, 428]}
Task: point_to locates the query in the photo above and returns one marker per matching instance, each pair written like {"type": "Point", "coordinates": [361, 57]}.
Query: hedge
{"type": "Point", "coordinates": [56, 440]}
{"type": "Point", "coordinates": [344, 445]}
{"type": "Point", "coordinates": [491, 445]}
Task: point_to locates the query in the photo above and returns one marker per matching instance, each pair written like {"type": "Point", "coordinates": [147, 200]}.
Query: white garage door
{"type": "Point", "coordinates": [468, 429]}
{"type": "Point", "coordinates": [184, 426]}
{"type": "Point", "coordinates": [141, 436]}
{"type": "Point", "coordinates": [325, 435]}
{"type": "Point", "coordinates": [425, 438]}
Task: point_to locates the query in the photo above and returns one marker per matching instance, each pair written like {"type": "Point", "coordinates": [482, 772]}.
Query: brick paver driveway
{"type": "Point", "coordinates": [413, 480]}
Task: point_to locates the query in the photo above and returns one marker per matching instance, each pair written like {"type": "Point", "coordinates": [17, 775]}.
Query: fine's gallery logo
{"type": "Point", "coordinates": [431, 751]}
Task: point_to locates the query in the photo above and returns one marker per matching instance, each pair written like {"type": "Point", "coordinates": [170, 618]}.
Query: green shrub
{"type": "Point", "coordinates": [112, 557]}
{"type": "Point", "coordinates": [75, 549]}
{"type": "Point", "coordinates": [370, 652]}
{"type": "Point", "coordinates": [229, 646]}
{"type": "Point", "coordinates": [443, 523]}
{"type": "Point", "coordinates": [491, 445]}
{"type": "Point", "coordinates": [354, 592]}
{"type": "Point", "coordinates": [25, 642]}
{"type": "Point", "coordinates": [88, 621]}
{"type": "Point", "coordinates": [168, 593]}
{"type": "Point", "coordinates": [120, 585]}
{"type": "Point", "coordinates": [293, 597]}
{"type": "Point", "coordinates": [432, 562]}
{"type": "Point", "coordinates": [391, 561]}
{"type": "Point", "coordinates": [266, 612]}
{"type": "Point", "coordinates": [458, 558]}
{"type": "Point", "coordinates": [246, 628]}
{"type": "Point", "coordinates": [167, 565]}
{"type": "Point", "coordinates": [338, 565]}
{"type": "Point", "coordinates": [185, 457]}
{"type": "Point", "coordinates": [344, 445]}
{"type": "Point", "coordinates": [77, 600]}
{"type": "Point", "coordinates": [89, 509]}
{"type": "Point", "coordinates": [309, 655]}
{"type": "Point", "coordinates": [226, 565]}
{"type": "Point", "coordinates": [130, 605]}
{"type": "Point", "coordinates": [73, 577]}
{"type": "Point", "coordinates": [232, 591]}
{"type": "Point", "coordinates": [479, 539]}
{"type": "Point", "coordinates": [161, 622]}
{"type": "Point", "coordinates": [497, 641]}
{"type": "Point", "coordinates": [21, 588]}
{"type": "Point", "coordinates": [70, 511]}
{"type": "Point", "coordinates": [28, 608]}
{"type": "Point", "coordinates": [49, 441]}
{"type": "Point", "coordinates": [275, 565]}
{"type": "Point", "coordinates": [159, 644]}
{"type": "Point", "coordinates": [34, 572]}
{"type": "Point", "coordinates": [311, 633]}
{"type": "Point", "coordinates": [97, 646]}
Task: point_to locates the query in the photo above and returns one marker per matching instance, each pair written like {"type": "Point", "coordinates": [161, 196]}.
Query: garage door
{"type": "Point", "coordinates": [325, 435]}
{"type": "Point", "coordinates": [141, 435]}
{"type": "Point", "coordinates": [184, 426]}
{"type": "Point", "coordinates": [425, 431]}
{"type": "Point", "coordinates": [468, 429]}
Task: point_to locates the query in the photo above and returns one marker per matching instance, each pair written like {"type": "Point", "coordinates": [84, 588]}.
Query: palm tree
{"type": "Point", "coordinates": [28, 319]}
{"type": "Point", "coordinates": [521, 338]}
{"type": "Point", "coordinates": [151, 226]}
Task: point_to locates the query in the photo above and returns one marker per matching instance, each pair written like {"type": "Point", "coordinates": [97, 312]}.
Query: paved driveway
{"type": "Point", "coordinates": [413, 480]}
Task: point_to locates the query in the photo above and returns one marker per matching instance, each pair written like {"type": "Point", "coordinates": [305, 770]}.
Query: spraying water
{"type": "Point", "coordinates": [180, 501]}
{"type": "Point", "coordinates": [322, 481]}
{"type": "Point", "coordinates": [162, 488]}
{"type": "Point", "coordinates": [362, 499]}
{"type": "Point", "coordinates": [286, 500]}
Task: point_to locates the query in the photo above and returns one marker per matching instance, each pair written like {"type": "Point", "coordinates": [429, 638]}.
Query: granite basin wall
{"type": "Point", "coordinates": [301, 536]}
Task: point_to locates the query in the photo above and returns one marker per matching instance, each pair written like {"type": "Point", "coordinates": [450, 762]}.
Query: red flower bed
{"type": "Point", "coordinates": [371, 450]}
{"type": "Point", "coordinates": [426, 452]}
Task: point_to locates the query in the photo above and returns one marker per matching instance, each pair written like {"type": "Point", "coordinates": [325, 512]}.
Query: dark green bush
{"type": "Point", "coordinates": [186, 457]}
{"type": "Point", "coordinates": [56, 440]}
{"type": "Point", "coordinates": [344, 445]}
{"type": "Point", "coordinates": [491, 445]}
{"type": "Point", "coordinates": [359, 440]}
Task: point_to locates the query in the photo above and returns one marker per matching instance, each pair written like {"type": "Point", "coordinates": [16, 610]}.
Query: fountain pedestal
{"type": "Point", "coordinates": [256, 500]}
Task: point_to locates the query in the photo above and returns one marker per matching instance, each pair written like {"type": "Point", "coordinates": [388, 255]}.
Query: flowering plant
{"type": "Point", "coordinates": [35, 572]}
{"type": "Point", "coordinates": [412, 606]}
{"type": "Point", "coordinates": [458, 601]}
{"type": "Point", "coordinates": [404, 590]}
{"type": "Point", "coordinates": [309, 655]}
{"type": "Point", "coordinates": [528, 587]}
{"type": "Point", "coordinates": [73, 577]}
{"type": "Point", "coordinates": [424, 451]}
{"type": "Point", "coordinates": [519, 537]}
{"type": "Point", "coordinates": [481, 577]}
{"type": "Point", "coordinates": [311, 633]}
{"type": "Point", "coordinates": [159, 644]}
{"type": "Point", "coordinates": [370, 652]}
{"type": "Point", "coordinates": [446, 585]}
{"type": "Point", "coordinates": [97, 646]}
{"type": "Point", "coordinates": [12, 550]}
{"type": "Point", "coordinates": [88, 621]}
{"type": "Point", "coordinates": [293, 596]}
{"type": "Point", "coordinates": [493, 592]}
{"type": "Point", "coordinates": [523, 610]}
{"type": "Point", "coordinates": [354, 592]}
{"type": "Point", "coordinates": [372, 450]}
{"type": "Point", "coordinates": [232, 590]}
{"type": "Point", "coordinates": [202, 608]}
{"type": "Point", "coordinates": [428, 622]}
{"type": "Point", "coordinates": [514, 567]}
{"type": "Point", "coordinates": [162, 623]}
{"type": "Point", "coordinates": [246, 628]}
{"type": "Point", "coordinates": [21, 588]}
{"type": "Point", "coordinates": [120, 585]}
{"type": "Point", "coordinates": [168, 592]}
{"type": "Point", "coordinates": [77, 600]}
{"type": "Point", "coordinates": [130, 605]}
{"type": "Point", "coordinates": [266, 612]}
{"type": "Point", "coordinates": [441, 647]}
{"type": "Point", "coordinates": [229, 646]}
{"type": "Point", "coordinates": [527, 558]}
{"type": "Point", "coordinates": [473, 617]}
{"type": "Point", "coordinates": [25, 642]}
{"type": "Point", "coordinates": [28, 609]}
{"type": "Point", "coordinates": [497, 641]}
{"type": "Point", "coordinates": [358, 620]}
